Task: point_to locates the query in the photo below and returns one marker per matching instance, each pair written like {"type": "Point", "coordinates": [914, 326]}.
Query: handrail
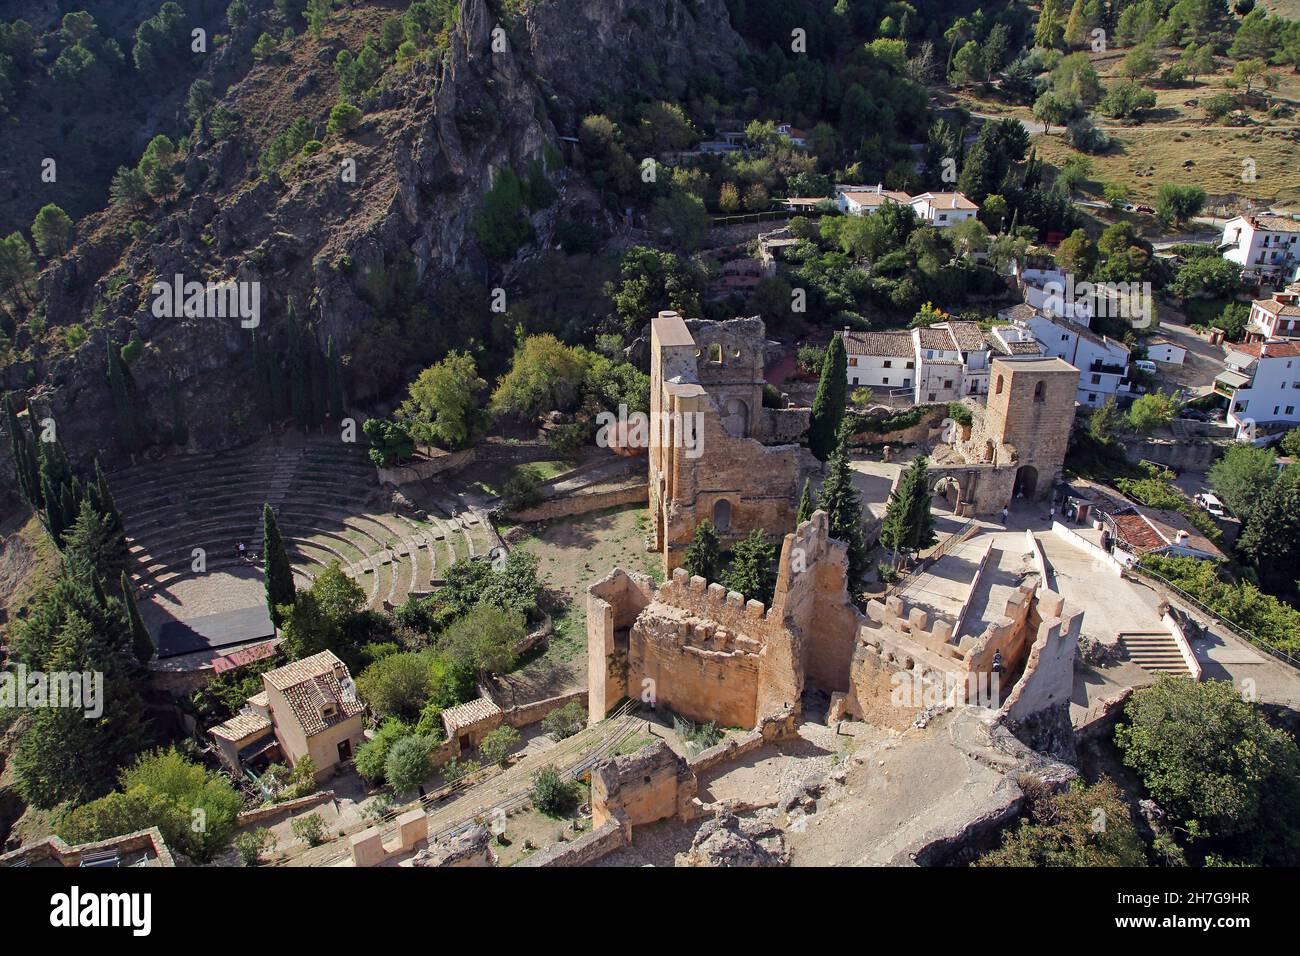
{"type": "Point", "coordinates": [1236, 629]}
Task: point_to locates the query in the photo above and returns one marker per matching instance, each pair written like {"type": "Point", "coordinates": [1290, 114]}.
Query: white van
{"type": "Point", "coordinates": [1212, 504]}
{"type": "Point", "coordinates": [1145, 365]}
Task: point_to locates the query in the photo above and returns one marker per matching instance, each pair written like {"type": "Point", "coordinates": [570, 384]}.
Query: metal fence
{"type": "Point", "coordinates": [1233, 628]}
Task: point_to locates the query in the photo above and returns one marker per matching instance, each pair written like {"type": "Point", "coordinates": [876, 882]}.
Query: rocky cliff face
{"type": "Point", "coordinates": [424, 158]}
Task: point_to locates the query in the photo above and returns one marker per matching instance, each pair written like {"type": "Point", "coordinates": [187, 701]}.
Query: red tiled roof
{"type": "Point", "coordinates": [890, 344]}
{"type": "Point", "coordinates": [1289, 349]}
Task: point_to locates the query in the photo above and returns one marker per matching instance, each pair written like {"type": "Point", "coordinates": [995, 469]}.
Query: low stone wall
{"type": "Point", "coordinates": [583, 851]}
{"type": "Point", "coordinates": [249, 817]}
{"type": "Point", "coordinates": [1072, 537]}
{"type": "Point", "coordinates": [582, 503]}
{"type": "Point", "coordinates": [525, 714]}
{"type": "Point", "coordinates": [770, 730]}
{"type": "Point", "coordinates": [423, 467]}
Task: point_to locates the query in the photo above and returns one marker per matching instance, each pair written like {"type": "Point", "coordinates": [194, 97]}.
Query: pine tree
{"type": "Point", "coordinates": [805, 503]}
{"type": "Point", "coordinates": [752, 570]}
{"type": "Point", "coordinates": [139, 633]}
{"type": "Point", "coordinates": [830, 400]}
{"type": "Point", "coordinates": [839, 499]}
{"type": "Point", "coordinates": [128, 429]}
{"type": "Point", "coordinates": [280, 589]}
{"type": "Point", "coordinates": [909, 524]}
{"type": "Point", "coordinates": [92, 537]}
{"type": "Point", "coordinates": [702, 555]}
{"type": "Point", "coordinates": [64, 755]}
{"type": "Point", "coordinates": [1271, 539]}
{"type": "Point", "coordinates": [1076, 25]}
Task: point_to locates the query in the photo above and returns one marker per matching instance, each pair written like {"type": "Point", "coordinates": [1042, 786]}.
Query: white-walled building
{"type": "Point", "coordinates": [865, 200]}
{"type": "Point", "coordinates": [1262, 384]}
{"type": "Point", "coordinates": [1265, 246]}
{"type": "Point", "coordinates": [1102, 362]}
{"type": "Point", "coordinates": [1048, 291]}
{"type": "Point", "coordinates": [932, 209]}
{"type": "Point", "coordinates": [880, 360]}
{"type": "Point", "coordinates": [1275, 318]}
{"type": "Point", "coordinates": [943, 209]}
{"type": "Point", "coordinates": [1165, 350]}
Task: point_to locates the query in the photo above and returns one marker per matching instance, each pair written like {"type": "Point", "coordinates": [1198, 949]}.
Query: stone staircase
{"type": "Point", "coordinates": [1155, 651]}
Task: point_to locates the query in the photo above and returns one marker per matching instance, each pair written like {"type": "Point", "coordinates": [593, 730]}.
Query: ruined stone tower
{"type": "Point", "coordinates": [1031, 408]}
{"type": "Point", "coordinates": [716, 452]}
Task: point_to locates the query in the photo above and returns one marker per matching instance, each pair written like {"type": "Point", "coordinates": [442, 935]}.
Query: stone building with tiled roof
{"type": "Point", "coordinates": [308, 707]}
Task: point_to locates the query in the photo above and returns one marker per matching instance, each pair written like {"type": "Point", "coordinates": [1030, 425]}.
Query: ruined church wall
{"type": "Point", "coordinates": [613, 604]}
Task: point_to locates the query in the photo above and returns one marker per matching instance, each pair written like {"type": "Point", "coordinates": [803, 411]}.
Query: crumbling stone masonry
{"type": "Point", "coordinates": [716, 452]}
{"type": "Point", "coordinates": [711, 655]}
{"type": "Point", "coordinates": [1017, 442]}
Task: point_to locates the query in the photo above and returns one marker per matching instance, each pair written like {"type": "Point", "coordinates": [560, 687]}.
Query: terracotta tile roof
{"type": "Point", "coordinates": [1275, 223]}
{"type": "Point", "coordinates": [1024, 348]}
{"type": "Point", "coordinates": [969, 336]}
{"type": "Point", "coordinates": [241, 727]}
{"type": "Point", "coordinates": [1275, 307]}
{"type": "Point", "coordinates": [935, 337]}
{"type": "Point", "coordinates": [1289, 349]}
{"type": "Point", "coordinates": [948, 200]}
{"type": "Point", "coordinates": [467, 714]}
{"type": "Point", "coordinates": [1019, 313]}
{"type": "Point", "coordinates": [312, 683]}
{"type": "Point", "coordinates": [1136, 534]}
{"type": "Point", "coordinates": [888, 344]}
{"type": "Point", "coordinates": [259, 699]}
{"type": "Point", "coordinates": [869, 197]}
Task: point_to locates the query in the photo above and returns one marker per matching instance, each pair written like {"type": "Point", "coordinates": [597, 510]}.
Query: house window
{"type": "Point", "coordinates": [885, 380]}
{"type": "Point", "coordinates": [947, 383]}
{"type": "Point", "coordinates": [1276, 409]}
{"type": "Point", "coordinates": [1092, 398]}
{"type": "Point", "coordinates": [1096, 380]}
{"type": "Point", "coordinates": [853, 361]}
{"type": "Point", "coordinates": [1065, 337]}
{"type": "Point", "coordinates": [908, 381]}
{"type": "Point", "coordinates": [889, 363]}
{"type": "Point", "coordinates": [908, 365]}
{"type": "Point", "coordinates": [1290, 409]}
{"type": "Point", "coordinates": [932, 396]}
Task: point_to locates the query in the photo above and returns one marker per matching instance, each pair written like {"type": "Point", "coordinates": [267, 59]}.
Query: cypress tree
{"type": "Point", "coordinates": [139, 633]}
{"type": "Point", "coordinates": [805, 503]}
{"type": "Point", "coordinates": [280, 589]}
{"type": "Point", "coordinates": [839, 499]}
{"type": "Point", "coordinates": [104, 498]}
{"type": "Point", "coordinates": [702, 555]}
{"type": "Point", "coordinates": [300, 389]}
{"type": "Point", "coordinates": [909, 524]}
{"type": "Point", "coordinates": [336, 400]}
{"type": "Point", "coordinates": [829, 403]}
{"type": "Point", "coordinates": [23, 449]}
{"type": "Point", "coordinates": [127, 427]}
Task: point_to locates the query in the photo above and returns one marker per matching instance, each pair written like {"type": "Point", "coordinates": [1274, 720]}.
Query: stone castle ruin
{"type": "Point", "coordinates": [717, 452]}
{"type": "Point", "coordinates": [1017, 442]}
{"type": "Point", "coordinates": [711, 655]}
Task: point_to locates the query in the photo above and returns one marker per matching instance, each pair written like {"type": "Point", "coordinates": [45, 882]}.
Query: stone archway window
{"type": "Point", "coordinates": [735, 418]}
{"type": "Point", "coordinates": [1039, 391]}
{"type": "Point", "coordinates": [722, 515]}
{"type": "Point", "coordinates": [715, 354]}
{"type": "Point", "coordinates": [998, 390]}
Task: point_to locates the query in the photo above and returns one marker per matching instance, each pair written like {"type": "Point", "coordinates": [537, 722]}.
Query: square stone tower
{"type": "Point", "coordinates": [1031, 408]}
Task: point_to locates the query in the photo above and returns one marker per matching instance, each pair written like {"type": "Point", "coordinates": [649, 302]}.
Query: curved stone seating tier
{"type": "Point", "coordinates": [170, 515]}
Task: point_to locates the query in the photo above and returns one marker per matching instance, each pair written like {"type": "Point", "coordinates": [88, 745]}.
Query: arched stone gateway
{"type": "Point", "coordinates": [949, 489]}
{"type": "Point", "coordinates": [1026, 481]}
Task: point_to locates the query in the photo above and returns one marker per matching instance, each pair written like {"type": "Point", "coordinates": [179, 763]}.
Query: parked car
{"type": "Point", "coordinates": [1195, 414]}
{"type": "Point", "coordinates": [1212, 504]}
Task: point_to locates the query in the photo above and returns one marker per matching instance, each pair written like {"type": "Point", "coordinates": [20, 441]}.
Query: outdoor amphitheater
{"type": "Point", "coordinates": [187, 517]}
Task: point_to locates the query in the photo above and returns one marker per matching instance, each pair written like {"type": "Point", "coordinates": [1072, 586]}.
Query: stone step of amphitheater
{"type": "Point", "coordinates": [186, 516]}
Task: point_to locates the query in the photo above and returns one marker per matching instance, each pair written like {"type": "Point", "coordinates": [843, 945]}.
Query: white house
{"type": "Point", "coordinates": [1165, 350]}
{"type": "Point", "coordinates": [1262, 384]}
{"type": "Point", "coordinates": [1050, 291]}
{"type": "Point", "coordinates": [880, 360]}
{"type": "Point", "coordinates": [943, 209]}
{"type": "Point", "coordinates": [1275, 318]}
{"type": "Point", "coordinates": [1265, 246]}
{"type": "Point", "coordinates": [1102, 362]}
{"type": "Point", "coordinates": [865, 200]}
{"type": "Point", "coordinates": [795, 135]}
{"type": "Point", "coordinates": [952, 361]}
